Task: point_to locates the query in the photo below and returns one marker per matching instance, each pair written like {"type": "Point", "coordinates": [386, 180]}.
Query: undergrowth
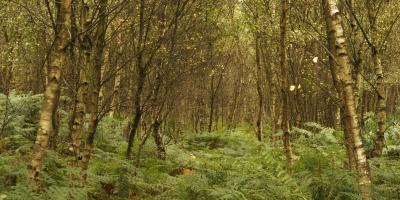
{"type": "Point", "coordinates": [227, 165]}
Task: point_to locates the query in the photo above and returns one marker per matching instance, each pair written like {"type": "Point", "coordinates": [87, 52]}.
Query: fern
{"type": "Point", "coordinates": [221, 165]}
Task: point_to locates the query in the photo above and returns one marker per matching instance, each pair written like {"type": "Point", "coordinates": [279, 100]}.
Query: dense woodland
{"type": "Point", "coordinates": [199, 99]}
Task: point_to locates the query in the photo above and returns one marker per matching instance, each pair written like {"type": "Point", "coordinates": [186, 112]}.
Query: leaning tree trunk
{"type": "Point", "coordinates": [134, 125]}
{"type": "Point", "coordinates": [141, 73]}
{"type": "Point", "coordinates": [285, 84]}
{"type": "Point", "coordinates": [95, 85]}
{"type": "Point", "coordinates": [52, 93]}
{"type": "Point", "coordinates": [363, 174]}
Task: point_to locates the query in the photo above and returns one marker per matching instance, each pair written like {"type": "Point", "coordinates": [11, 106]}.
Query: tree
{"type": "Point", "coordinates": [77, 117]}
{"type": "Point", "coordinates": [95, 84]}
{"type": "Point", "coordinates": [342, 59]}
{"type": "Point", "coordinates": [58, 60]}
{"type": "Point", "coordinates": [284, 83]}
{"type": "Point", "coordinates": [380, 87]}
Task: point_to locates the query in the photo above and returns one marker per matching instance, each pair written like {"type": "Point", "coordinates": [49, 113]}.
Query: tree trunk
{"type": "Point", "coordinates": [380, 87]}
{"type": "Point", "coordinates": [161, 154]}
{"type": "Point", "coordinates": [234, 105]}
{"type": "Point", "coordinates": [56, 128]}
{"type": "Point", "coordinates": [271, 89]}
{"type": "Point", "coordinates": [348, 139]}
{"type": "Point", "coordinates": [334, 68]}
{"type": "Point", "coordinates": [363, 174]}
{"type": "Point", "coordinates": [52, 92]}
{"type": "Point", "coordinates": [77, 118]}
{"type": "Point", "coordinates": [285, 84]}
{"type": "Point", "coordinates": [138, 116]}
{"type": "Point", "coordinates": [381, 104]}
{"type": "Point", "coordinates": [212, 105]}
{"type": "Point", "coordinates": [115, 98]}
{"type": "Point", "coordinates": [6, 75]}
{"type": "Point", "coordinates": [259, 89]}
{"type": "Point", "coordinates": [357, 59]}
{"type": "Point", "coordinates": [139, 152]}
{"type": "Point", "coordinates": [95, 85]}
{"type": "Point", "coordinates": [140, 83]}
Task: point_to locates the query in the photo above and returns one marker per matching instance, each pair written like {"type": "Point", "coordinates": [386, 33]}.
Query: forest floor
{"type": "Point", "coordinates": [205, 166]}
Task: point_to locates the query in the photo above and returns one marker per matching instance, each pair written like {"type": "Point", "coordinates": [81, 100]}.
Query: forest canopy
{"type": "Point", "coordinates": [210, 99]}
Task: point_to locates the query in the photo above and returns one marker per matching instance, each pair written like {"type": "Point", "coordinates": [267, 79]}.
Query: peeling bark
{"type": "Point", "coordinates": [334, 68]}
{"type": "Point", "coordinates": [345, 77]}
